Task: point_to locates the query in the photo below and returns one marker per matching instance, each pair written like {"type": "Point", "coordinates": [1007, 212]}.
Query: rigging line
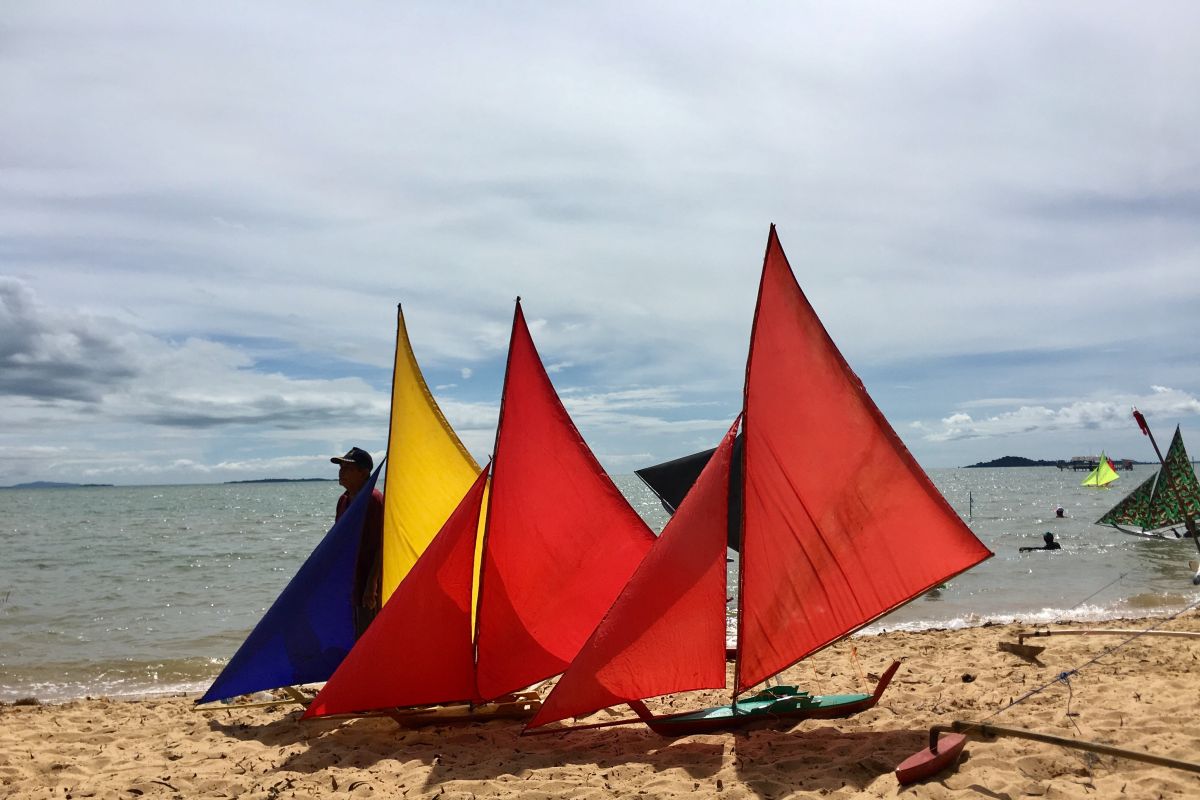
{"type": "Point", "coordinates": [1117, 579]}
{"type": "Point", "coordinates": [1070, 697]}
{"type": "Point", "coordinates": [1064, 676]}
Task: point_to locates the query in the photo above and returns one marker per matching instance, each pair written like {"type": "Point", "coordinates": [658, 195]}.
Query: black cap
{"type": "Point", "coordinates": [357, 456]}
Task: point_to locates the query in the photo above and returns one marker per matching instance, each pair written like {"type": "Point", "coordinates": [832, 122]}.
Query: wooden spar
{"type": "Point", "coordinates": [1021, 637]}
{"type": "Point", "coordinates": [565, 728]}
{"type": "Point", "coordinates": [962, 726]}
{"type": "Point", "coordinates": [294, 695]}
{"type": "Point", "coordinates": [1031, 652]}
{"type": "Point", "coordinates": [519, 705]}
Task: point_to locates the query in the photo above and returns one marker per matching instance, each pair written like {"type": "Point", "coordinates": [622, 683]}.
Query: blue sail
{"type": "Point", "coordinates": [309, 629]}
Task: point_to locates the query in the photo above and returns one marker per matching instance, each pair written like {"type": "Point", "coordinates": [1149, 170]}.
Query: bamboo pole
{"type": "Point", "coordinates": [1022, 636]}
{"type": "Point", "coordinates": [982, 728]}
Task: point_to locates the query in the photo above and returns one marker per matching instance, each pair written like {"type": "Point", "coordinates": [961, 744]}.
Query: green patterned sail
{"type": "Point", "coordinates": [1135, 508]}
{"type": "Point", "coordinates": [1162, 500]}
{"type": "Point", "coordinates": [1177, 493]}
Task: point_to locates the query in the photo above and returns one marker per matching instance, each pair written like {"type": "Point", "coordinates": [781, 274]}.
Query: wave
{"type": "Point", "coordinates": [1137, 607]}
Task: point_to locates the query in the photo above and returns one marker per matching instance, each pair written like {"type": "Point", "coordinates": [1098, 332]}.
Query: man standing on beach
{"type": "Point", "coordinates": [354, 470]}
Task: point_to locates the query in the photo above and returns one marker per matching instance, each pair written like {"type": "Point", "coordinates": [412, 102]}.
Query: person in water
{"type": "Point", "coordinates": [1050, 544]}
{"type": "Point", "coordinates": [1058, 512]}
{"type": "Point", "coordinates": [354, 470]}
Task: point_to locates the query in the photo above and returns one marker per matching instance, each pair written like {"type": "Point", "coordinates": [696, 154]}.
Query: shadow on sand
{"type": "Point", "coordinates": [770, 762]}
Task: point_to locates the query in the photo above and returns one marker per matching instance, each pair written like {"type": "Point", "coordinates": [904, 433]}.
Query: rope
{"type": "Point", "coordinates": [1070, 696]}
{"type": "Point", "coordinates": [1117, 579]}
{"type": "Point", "coordinates": [1064, 677]}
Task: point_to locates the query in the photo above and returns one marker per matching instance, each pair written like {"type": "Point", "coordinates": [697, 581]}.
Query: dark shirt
{"type": "Point", "coordinates": [1047, 546]}
{"type": "Point", "coordinates": [368, 565]}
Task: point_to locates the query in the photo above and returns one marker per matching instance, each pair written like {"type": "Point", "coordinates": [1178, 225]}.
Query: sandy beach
{"type": "Point", "coordinates": [1142, 697]}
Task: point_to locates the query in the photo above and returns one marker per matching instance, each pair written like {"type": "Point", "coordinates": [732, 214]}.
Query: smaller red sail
{"type": "Point", "coordinates": [666, 631]}
{"type": "Point", "coordinates": [561, 539]}
{"type": "Point", "coordinates": [418, 651]}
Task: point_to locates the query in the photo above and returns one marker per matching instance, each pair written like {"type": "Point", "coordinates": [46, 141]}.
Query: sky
{"type": "Point", "coordinates": [210, 212]}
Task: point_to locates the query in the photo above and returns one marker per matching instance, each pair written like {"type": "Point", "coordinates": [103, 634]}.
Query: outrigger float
{"type": "Point", "coordinates": [944, 751]}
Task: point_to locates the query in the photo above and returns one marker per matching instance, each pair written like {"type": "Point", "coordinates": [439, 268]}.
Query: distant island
{"type": "Point", "coordinates": [1076, 463]}
{"type": "Point", "coordinates": [56, 485]}
{"type": "Point", "coordinates": [286, 480]}
{"type": "Point", "coordinates": [1015, 461]}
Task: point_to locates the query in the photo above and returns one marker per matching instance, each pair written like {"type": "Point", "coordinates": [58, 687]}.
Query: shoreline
{"type": "Point", "coordinates": [1083, 615]}
{"type": "Point", "coordinates": [1138, 697]}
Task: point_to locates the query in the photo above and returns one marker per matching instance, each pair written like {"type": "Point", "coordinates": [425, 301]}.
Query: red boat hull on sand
{"type": "Point", "coordinates": [925, 763]}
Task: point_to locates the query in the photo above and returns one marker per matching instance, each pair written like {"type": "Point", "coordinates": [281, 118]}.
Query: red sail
{"type": "Point", "coordinates": [418, 650]}
{"type": "Point", "coordinates": [666, 632]}
{"type": "Point", "coordinates": [840, 524]}
{"type": "Point", "coordinates": [561, 540]}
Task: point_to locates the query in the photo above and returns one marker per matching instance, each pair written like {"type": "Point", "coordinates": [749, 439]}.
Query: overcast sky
{"type": "Point", "coordinates": [209, 212]}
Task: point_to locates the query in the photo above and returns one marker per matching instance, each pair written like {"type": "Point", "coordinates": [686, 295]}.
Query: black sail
{"type": "Point", "coordinates": [671, 480]}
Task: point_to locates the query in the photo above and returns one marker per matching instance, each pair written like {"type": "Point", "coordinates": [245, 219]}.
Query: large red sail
{"type": "Point", "coordinates": [840, 524]}
{"type": "Point", "coordinates": [561, 540]}
{"type": "Point", "coordinates": [418, 650]}
{"type": "Point", "coordinates": [666, 631]}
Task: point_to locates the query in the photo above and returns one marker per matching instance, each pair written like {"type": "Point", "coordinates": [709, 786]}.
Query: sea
{"type": "Point", "coordinates": [138, 591]}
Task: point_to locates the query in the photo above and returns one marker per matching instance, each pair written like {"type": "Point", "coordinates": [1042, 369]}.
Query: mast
{"type": "Point", "coordinates": [487, 512]}
{"type": "Point", "coordinates": [772, 240]}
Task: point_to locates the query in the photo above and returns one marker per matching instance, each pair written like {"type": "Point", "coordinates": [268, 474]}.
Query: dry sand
{"type": "Point", "coordinates": [1143, 697]}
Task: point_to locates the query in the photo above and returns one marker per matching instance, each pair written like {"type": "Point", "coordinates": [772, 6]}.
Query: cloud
{"type": "Point", "coordinates": [1112, 413]}
{"type": "Point", "coordinates": [50, 357]}
{"type": "Point", "coordinates": [83, 389]}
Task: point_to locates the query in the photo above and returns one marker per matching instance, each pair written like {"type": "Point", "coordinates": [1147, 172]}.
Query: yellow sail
{"type": "Point", "coordinates": [428, 469]}
{"type": "Point", "coordinates": [1102, 475]}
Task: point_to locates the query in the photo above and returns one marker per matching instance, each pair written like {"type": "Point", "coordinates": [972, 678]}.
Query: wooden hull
{"type": "Point", "coordinates": [769, 711]}
{"type": "Point", "coordinates": [521, 705]}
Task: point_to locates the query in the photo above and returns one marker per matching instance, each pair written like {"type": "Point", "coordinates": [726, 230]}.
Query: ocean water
{"type": "Point", "coordinates": [139, 590]}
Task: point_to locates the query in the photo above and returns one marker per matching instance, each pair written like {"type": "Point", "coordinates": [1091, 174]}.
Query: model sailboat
{"type": "Point", "coordinates": [839, 526]}
{"type": "Point", "coordinates": [1104, 474]}
{"type": "Point", "coordinates": [1164, 502]}
{"type": "Point", "coordinates": [560, 542]}
{"type": "Point", "coordinates": [309, 629]}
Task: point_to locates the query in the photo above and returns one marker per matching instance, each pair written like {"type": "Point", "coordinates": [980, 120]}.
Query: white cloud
{"type": "Point", "coordinates": [1109, 413]}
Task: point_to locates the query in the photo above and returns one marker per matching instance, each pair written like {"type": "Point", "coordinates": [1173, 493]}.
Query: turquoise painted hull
{"type": "Point", "coordinates": [774, 706]}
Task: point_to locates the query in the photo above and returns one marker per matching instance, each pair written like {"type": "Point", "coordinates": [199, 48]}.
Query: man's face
{"type": "Point", "coordinates": [351, 477]}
